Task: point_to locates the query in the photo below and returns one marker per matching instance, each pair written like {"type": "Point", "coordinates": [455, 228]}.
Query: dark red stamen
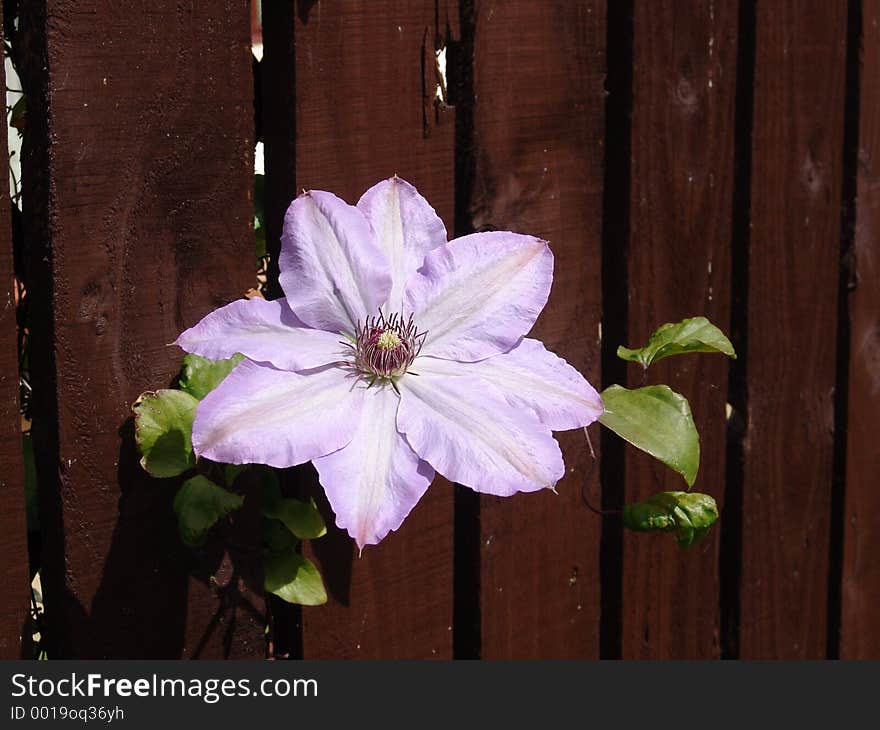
{"type": "Point", "coordinates": [384, 347]}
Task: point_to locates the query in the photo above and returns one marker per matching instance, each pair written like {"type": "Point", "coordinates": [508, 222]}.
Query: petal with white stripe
{"type": "Point", "coordinates": [406, 227]}
{"type": "Point", "coordinates": [479, 294]}
{"type": "Point", "coordinates": [463, 427]}
{"type": "Point", "coordinates": [533, 377]}
{"type": "Point", "coordinates": [332, 269]}
{"type": "Point", "coordinates": [262, 331]}
{"type": "Point", "coordinates": [260, 415]}
{"type": "Point", "coordinates": [375, 481]}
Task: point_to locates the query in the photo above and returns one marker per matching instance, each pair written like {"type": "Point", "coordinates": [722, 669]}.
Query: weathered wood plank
{"type": "Point", "coordinates": [13, 536]}
{"type": "Point", "coordinates": [679, 266]}
{"type": "Point", "coordinates": [860, 614]}
{"type": "Point", "coordinates": [138, 177]}
{"type": "Point", "coordinates": [365, 111]}
{"type": "Point", "coordinates": [792, 317]}
{"type": "Point", "coordinates": [538, 122]}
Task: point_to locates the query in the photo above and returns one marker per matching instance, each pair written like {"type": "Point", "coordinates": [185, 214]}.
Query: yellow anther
{"type": "Point", "coordinates": [388, 340]}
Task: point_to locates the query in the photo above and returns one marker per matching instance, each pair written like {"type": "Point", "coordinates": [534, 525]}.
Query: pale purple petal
{"type": "Point", "coordinates": [464, 428]}
{"type": "Point", "coordinates": [531, 376]}
{"type": "Point", "coordinates": [406, 227]}
{"type": "Point", "coordinates": [260, 415]}
{"type": "Point", "coordinates": [332, 269]}
{"type": "Point", "coordinates": [375, 481]}
{"type": "Point", "coordinates": [479, 294]}
{"type": "Point", "coordinates": [264, 331]}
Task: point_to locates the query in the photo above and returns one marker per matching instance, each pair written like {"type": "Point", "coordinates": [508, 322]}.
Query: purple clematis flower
{"type": "Point", "coordinates": [394, 354]}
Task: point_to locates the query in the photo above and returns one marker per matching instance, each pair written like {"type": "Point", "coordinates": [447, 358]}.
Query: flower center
{"type": "Point", "coordinates": [388, 340]}
{"type": "Point", "coordinates": [384, 347]}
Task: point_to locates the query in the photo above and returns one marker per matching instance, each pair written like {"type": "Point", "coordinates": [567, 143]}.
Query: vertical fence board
{"type": "Point", "coordinates": [679, 266]}
{"type": "Point", "coordinates": [538, 122]}
{"type": "Point", "coordinates": [138, 180]}
{"type": "Point", "coordinates": [792, 313]}
{"type": "Point", "coordinates": [13, 536]}
{"type": "Point", "coordinates": [365, 83]}
{"type": "Point", "coordinates": [860, 614]}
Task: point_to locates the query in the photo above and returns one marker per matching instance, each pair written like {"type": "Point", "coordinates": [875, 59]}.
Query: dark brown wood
{"type": "Point", "coordinates": [792, 315]}
{"type": "Point", "coordinates": [14, 603]}
{"type": "Point", "coordinates": [684, 84]}
{"type": "Point", "coordinates": [860, 614]}
{"type": "Point", "coordinates": [538, 121]}
{"type": "Point", "coordinates": [139, 175]}
{"type": "Point", "coordinates": [364, 111]}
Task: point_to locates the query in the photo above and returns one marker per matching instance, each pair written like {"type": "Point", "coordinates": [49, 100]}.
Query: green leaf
{"type": "Point", "coordinates": [16, 119]}
{"type": "Point", "coordinates": [697, 334]}
{"type": "Point", "coordinates": [688, 514]}
{"type": "Point", "coordinates": [656, 420]}
{"type": "Point", "coordinates": [270, 490]}
{"type": "Point", "coordinates": [231, 472]}
{"type": "Point", "coordinates": [276, 537]}
{"type": "Point", "coordinates": [163, 431]}
{"type": "Point", "coordinates": [199, 504]}
{"type": "Point", "coordinates": [301, 518]}
{"type": "Point", "coordinates": [294, 578]}
{"type": "Point", "coordinates": [200, 375]}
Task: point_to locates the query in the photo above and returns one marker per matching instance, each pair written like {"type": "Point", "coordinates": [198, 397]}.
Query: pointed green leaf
{"type": "Point", "coordinates": [199, 504]}
{"type": "Point", "coordinates": [656, 420]}
{"type": "Point", "coordinates": [301, 518]}
{"type": "Point", "coordinates": [163, 431]}
{"type": "Point", "coordinates": [294, 578]}
{"type": "Point", "coordinates": [16, 119]}
{"type": "Point", "coordinates": [697, 334]}
{"type": "Point", "coordinates": [200, 375]}
{"type": "Point", "coordinates": [688, 514]}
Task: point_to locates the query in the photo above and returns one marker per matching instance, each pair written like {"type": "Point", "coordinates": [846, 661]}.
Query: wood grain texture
{"type": "Point", "coordinates": [684, 84]}
{"type": "Point", "coordinates": [364, 111]}
{"type": "Point", "coordinates": [538, 122]}
{"type": "Point", "coordinates": [14, 603]}
{"type": "Point", "coordinates": [792, 311]}
{"type": "Point", "coordinates": [138, 176]}
{"type": "Point", "coordinates": [860, 613]}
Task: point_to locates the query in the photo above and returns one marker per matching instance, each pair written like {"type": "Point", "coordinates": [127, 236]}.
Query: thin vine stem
{"type": "Point", "coordinates": [585, 485]}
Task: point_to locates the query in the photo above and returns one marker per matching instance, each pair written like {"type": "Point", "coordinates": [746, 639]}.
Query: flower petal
{"type": "Point", "coordinates": [375, 481]}
{"type": "Point", "coordinates": [464, 428]}
{"type": "Point", "coordinates": [263, 331]}
{"type": "Point", "coordinates": [406, 227]}
{"type": "Point", "coordinates": [332, 270]}
{"type": "Point", "coordinates": [479, 294]}
{"type": "Point", "coordinates": [260, 415]}
{"type": "Point", "coordinates": [533, 377]}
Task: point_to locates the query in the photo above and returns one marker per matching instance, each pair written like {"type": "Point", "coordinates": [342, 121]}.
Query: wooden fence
{"type": "Point", "coordinates": [682, 157]}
